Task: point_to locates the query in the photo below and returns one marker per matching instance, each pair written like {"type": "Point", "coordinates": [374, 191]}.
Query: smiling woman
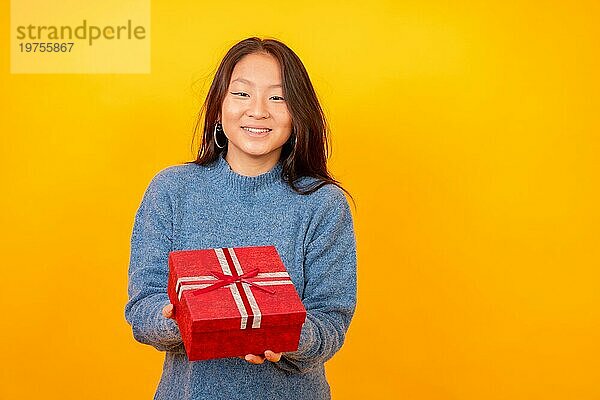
{"type": "Point", "coordinates": [264, 84]}
{"type": "Point", "coordinates": [255, 118]}
{"type": "Point", "coordinates": [260, 179]}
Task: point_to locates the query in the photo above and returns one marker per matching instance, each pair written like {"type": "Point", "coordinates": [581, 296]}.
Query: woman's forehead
{"type": "Point", "coordinates": [257, 69]}
{"type": "Point", "coordinates": [252, 83]}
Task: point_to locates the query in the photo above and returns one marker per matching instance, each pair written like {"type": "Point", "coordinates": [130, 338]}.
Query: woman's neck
{"type": "Point", "coordinates": [252, 166]}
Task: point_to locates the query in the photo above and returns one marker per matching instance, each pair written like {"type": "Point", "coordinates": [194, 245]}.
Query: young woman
{"type": "Point", "coordinates": [260, 179]}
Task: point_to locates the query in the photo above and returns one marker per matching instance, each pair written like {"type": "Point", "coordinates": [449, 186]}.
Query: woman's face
{"type": "Point", "coordinates": [254, 113]}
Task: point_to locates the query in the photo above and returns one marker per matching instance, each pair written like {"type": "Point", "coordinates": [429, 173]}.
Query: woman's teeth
{"type": "Point", "coordinates": [254, 130]}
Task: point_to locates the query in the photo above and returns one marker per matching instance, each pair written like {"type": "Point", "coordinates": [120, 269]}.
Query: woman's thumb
{"type": "Point", "coordinates": [167, 311]}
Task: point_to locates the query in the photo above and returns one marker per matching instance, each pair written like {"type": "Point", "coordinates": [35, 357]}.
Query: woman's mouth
{"type": "Point", "coordinates": [256, 131]}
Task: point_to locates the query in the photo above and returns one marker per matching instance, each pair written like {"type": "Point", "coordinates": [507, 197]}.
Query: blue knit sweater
{"type": "Point", "coordinates": [197, 207]}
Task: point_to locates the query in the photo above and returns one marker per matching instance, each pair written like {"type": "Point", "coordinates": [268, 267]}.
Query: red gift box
{"type": "Point", "coordinates": [234, 301]}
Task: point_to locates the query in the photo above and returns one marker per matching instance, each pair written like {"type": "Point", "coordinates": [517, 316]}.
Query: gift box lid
{"type": "Point", "coordinates": [232, 288]}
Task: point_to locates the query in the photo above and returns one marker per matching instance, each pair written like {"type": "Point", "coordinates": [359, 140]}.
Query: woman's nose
{"type": "Point", "coordinates": [257, 109]}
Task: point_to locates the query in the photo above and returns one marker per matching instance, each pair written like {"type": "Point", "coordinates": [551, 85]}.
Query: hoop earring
{"type": "Point", "coordinates": [215, 136]}
{"type": "Point", "coordinates": [295, 142]}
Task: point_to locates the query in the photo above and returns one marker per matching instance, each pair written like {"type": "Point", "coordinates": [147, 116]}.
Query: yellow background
{"type": "Point", "coordinates": [466, 131]}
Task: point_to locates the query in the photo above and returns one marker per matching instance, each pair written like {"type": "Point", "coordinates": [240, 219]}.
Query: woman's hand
{"type": "Point", "coordinates": [167, 311]}
{"type": "Point", "coordinates": [269, 355]}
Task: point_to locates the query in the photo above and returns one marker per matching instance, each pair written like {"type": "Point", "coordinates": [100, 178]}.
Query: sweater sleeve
{"type": "Point", "coordinates": [151, 242]}
{"type": "Point", "coordinates": [330, 285]}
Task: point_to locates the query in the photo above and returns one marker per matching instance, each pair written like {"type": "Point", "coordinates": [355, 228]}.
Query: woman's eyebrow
{"type": "Point", "coordinates": [246, 81]}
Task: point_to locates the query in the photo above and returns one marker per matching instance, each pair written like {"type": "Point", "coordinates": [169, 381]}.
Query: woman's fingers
{"type": "Point", "coordinates": [167, 311]}
{"type": "Point", "coordinates": [254, 359]}
{"type": "Point", "coordinates": [269, 355]}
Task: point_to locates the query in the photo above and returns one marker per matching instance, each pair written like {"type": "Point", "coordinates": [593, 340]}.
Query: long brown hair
{"type": "Point", "coordinates": [305, 158]}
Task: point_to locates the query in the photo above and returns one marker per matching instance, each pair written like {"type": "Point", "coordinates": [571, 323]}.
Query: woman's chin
{"type": "Point", "coordinates": [256, 151]}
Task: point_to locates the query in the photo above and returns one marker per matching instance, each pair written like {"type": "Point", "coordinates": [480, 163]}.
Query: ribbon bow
{"type": "Point", "coordinates": [225, 280]}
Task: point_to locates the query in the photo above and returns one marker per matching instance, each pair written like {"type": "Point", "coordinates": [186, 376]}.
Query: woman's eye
{"type": "Point", "coordinates": [243, 94]}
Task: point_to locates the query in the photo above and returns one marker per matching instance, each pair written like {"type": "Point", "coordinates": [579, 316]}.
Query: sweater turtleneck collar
{"type": "Point", "coordinates": [222, 173]}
